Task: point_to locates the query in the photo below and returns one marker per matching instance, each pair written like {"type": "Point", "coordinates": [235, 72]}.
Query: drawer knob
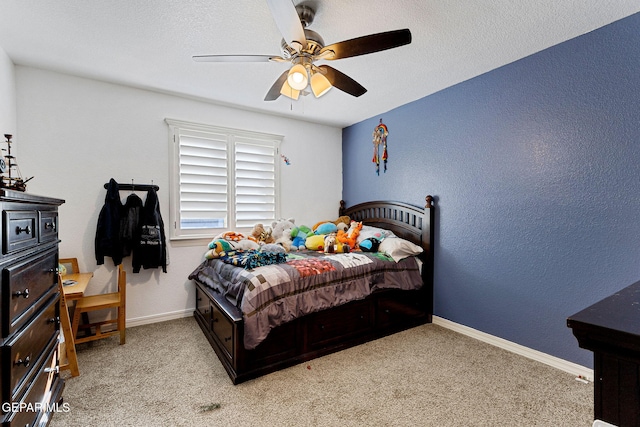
{"type": "Point", "coordinates": [227, 339]}
{"type": "Point", "coordinates": [24, 294]}
{"type": "Point", "coordinates": [50, 225]}
{"type": "Point", "coordinates": [27, 230]}
{"type": "Point", "coordinates": [55, 370]}
{"type": "Point", "coordinates": [26, 362]}
{"type": "Point", "coordinates": [215, 319]}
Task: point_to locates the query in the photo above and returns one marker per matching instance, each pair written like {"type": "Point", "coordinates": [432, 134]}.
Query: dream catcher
{"type": "Point", "coordinates": [380, 138]}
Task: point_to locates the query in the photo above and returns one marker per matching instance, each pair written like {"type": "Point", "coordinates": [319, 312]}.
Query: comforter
{"type": "Point", "coordinates": [271, 295]}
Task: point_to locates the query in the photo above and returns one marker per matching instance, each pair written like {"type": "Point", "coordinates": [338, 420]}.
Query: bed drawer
{"type": "Point", "coordinates": [222, 328]}
{"type": "Point", "coordinates": [351, 319]}
{"type": "Point", "coordinates": [203, 305]}
{"type": "Point", "coordinates": [400, 308]}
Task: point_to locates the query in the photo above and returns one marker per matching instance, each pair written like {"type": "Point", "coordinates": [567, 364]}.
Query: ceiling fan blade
{"type": "Point", "coordinates": [367, 44]}
{"type": "Point", "coordinates": [288, 22]}
{"type": "Point", "coordinates": [274, 92]}
{"type": "Point", "coordinates": [341, 81]}
{"type": "Point", "coordinates": [237, 58]}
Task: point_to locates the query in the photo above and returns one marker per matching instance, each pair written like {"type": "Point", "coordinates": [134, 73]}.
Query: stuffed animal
{"type": "Point", "coordinates": [369, 245]}
{"type": "Point", "coordinates": [281, 232]}
{"type": "Point", "coordinates": [315, 242]}
{"type": "Point", "coordinates": [341, 224]}
{"type": "Point", "coordinates": [262, 234]}
{"type": "Point", "coordinates": [230, 241]}
{"type": "Point", "coordinates": [299, 235]}
{"type": "Point", "coordinates": [331, 245]}
{"type": "Point", "coordinates": [325, 228]}
{"type": "Point", "coordinates": [351, 235]}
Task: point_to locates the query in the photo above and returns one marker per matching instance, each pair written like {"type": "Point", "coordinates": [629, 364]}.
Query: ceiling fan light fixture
{"type": "Point", "coordinates": [297, 77]}
{"type": "Point", "coordinates": [319, 84]}
{"type": "Point", "coordinates": [289, 92]}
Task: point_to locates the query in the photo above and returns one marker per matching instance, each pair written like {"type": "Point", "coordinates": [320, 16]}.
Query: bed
{"type": "Point", "coordinates": [397, 295]}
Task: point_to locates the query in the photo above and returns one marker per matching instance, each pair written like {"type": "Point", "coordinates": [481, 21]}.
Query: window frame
{"type": "Point", "coordinates": [233, 137]}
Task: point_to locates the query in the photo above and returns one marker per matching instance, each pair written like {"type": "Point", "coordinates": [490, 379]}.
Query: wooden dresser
{"type": "Point", "coordinates": [29, 309]}
{"type": "Point", "coordinates": [611, 329]}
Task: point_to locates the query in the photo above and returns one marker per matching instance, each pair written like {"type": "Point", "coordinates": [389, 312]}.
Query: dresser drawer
{"type": "Point", "coordinates": [48, 226]}
{"type": "Point", "coordinates": [40, 396]}
{"type": "Point", "coordinates": [222, 328]}
{"type": "Point", "coordinates": [351, 319]}
{"type": "Point", "coordinates": [27, 348]}
{"type": "Point", "coordinates": [20, 230]}
{"type": "Point", "coordinates": [23, 286]}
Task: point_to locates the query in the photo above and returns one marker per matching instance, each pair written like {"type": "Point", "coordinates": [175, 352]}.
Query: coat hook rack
{"type": "Point", "coordinates": [135, 187]}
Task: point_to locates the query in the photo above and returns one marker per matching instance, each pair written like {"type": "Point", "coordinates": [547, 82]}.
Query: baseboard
{"type": "Point", "coordinates": [145, 320]}
{"type": "Point", "coordinates": [556, 362]}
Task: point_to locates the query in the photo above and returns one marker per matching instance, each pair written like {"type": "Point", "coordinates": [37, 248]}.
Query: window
{"type": "Point", "coordinates": [221, 179]}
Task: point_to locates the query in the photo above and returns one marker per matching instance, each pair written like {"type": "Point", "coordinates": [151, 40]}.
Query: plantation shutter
{"type": "Point", "coordinates": [221, 179]}
{"type": "Point", "coordinates": [255, 182]}
{"type": "Point", "coordinates": [203, 180]}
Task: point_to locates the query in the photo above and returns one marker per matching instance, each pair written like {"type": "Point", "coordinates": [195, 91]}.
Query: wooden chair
{"type": "Point", "coordinates": [70, 262]}
{"type": "Point", "coordinates": [92, 303]}
{"type": "Point", "coordinates": [68, 357]}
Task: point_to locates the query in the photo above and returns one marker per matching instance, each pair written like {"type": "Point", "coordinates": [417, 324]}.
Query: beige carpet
{"type": "Point", "coordinates": [168, 375]}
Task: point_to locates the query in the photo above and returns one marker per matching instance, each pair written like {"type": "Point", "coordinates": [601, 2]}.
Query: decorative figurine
{"type": "Point", "coordinates": [7, 164]}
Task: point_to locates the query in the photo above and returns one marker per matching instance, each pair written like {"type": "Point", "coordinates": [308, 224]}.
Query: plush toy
{"type": "Point", "coordinates": [281, 232]}
{"type": "Point", "coordinates": [325, 228]}
{"type": "Point", "coordinates": [299, 235]}
{"type": "Point", "coordinates": [262, 234]}
{"type": "Point", "coordinates": [331, 245]}
{"type": "Point", "coordinates": [351, 235]}
{"type": "Point", "coordinates": [230, 241]}
{"type": "Point", "coordinates": [342, 223]}
{"type": "Point", "coordinates": [315, 242]}
{"type": "Point", "coordinates": [369, 245]}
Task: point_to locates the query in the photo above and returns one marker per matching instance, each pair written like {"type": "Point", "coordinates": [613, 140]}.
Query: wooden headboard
{"type": "Point", "coordinates": [410, 222]}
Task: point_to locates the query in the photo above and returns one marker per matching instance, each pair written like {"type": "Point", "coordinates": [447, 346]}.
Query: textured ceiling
{"type": "Point", "coordinates": [149, 44]}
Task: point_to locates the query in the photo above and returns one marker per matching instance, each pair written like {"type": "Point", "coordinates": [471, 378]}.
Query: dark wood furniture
{"type": "Point", "coordinates": [384, 312]}
{"type": "Point", "coordinates": [29, 314]}
{"type": "Point", "coordinates": [611, 329]}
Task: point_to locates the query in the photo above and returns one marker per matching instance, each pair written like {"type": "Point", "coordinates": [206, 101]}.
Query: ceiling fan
{"type": "Point", "coordinates": [302, 47]}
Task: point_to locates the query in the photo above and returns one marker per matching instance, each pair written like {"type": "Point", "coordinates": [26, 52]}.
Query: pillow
{"type": "Point", "coordinates": [398, 248]}
{"type": "Point", "coordinates": [368, 232]}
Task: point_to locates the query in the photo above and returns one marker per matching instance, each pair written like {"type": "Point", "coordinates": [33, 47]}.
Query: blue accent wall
{"type": "Point", "coordinates": [535, 167]}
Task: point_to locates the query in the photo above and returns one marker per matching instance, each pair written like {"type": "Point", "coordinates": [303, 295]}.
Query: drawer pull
{"type": "Point", "coordinates": [215, 319]}
{"type": "Point", "coordinates": [26, 362]}
{"type": "Point", "coordinates": [55, 320]}
{"type": "Point", "coordinates": [24, 294]}
{"type": "Point", "coordinates": [27, 230]}
{"type": "Point", "coordinates": [227, 339]}
{"type": "Point", "coordinates": [50, 225]}
{"type": "Point", "coordinates": [55, 370]}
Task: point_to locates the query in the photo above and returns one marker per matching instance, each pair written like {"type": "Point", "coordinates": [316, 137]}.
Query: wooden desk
{"type": "Point", "coordinates": [76, 291]}
{"type": "Point", "coordinates": [611, 329]}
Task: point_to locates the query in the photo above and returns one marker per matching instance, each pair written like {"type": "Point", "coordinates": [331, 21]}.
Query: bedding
{"type": "Point", "coordinates": [309, 281]}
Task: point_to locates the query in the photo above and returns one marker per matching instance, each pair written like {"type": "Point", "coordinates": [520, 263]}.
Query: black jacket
{"type": "Point", "coordinates": [130, 223]}
{"type": "Point", "coordinates": [150, 250]}
{"type": "Point", "coordinates": [108, 241]}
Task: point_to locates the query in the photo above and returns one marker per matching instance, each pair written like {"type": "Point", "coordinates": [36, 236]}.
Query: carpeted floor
{"type": "Point", "coordinates": [168, 375]}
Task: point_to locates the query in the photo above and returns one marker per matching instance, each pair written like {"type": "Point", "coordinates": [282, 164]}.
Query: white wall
{"type": "Point", "coordinates": [7, 95]}
{"type": "Point", "coordinates": [77, 133]}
